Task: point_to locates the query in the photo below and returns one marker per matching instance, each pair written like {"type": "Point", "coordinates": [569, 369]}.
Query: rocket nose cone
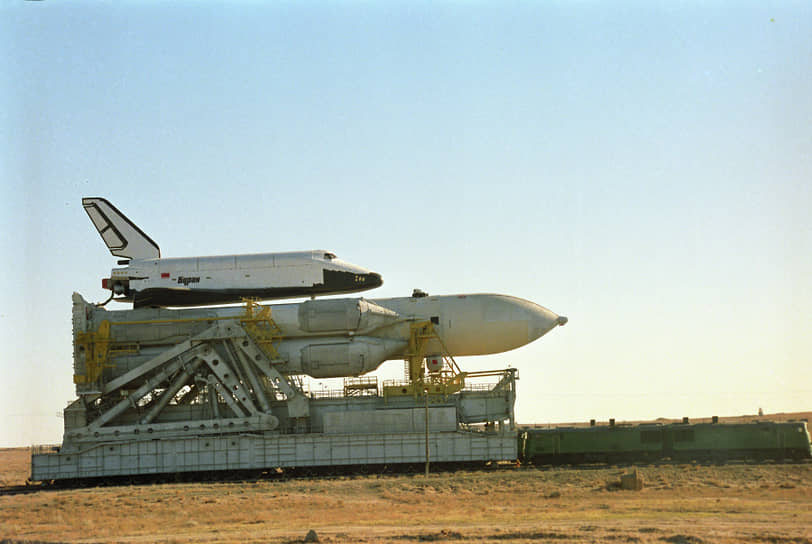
{"type": "Point", "coordinates": [543, 321]}
{"type": "Point", "coordinates": [562, 321]}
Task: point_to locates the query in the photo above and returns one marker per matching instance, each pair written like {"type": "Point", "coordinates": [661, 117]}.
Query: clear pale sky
{"type": "Point", "coordinates": [642, 168]}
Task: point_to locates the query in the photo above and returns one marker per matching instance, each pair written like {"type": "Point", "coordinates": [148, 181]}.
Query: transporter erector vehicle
{"type": "Point", "coordinates": [207, 389]}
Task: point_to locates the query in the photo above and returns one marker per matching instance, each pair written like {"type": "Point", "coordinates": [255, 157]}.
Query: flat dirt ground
{"type": "Point", "coordinates": [688, 503]}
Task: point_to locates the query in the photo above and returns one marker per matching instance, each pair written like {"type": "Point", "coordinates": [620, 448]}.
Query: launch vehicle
{"type": "Point", "coordinates": [200, 389]}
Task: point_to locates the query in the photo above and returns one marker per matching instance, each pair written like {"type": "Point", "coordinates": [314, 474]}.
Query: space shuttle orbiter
{"type": "Point", "coordinates": [148, 280]}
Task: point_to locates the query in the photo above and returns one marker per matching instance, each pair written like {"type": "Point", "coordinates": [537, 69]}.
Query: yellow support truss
{"type": "Point", "coordinates": [261, 327]}
{"type": "Point", "coordinates": [447, 382]}
{"type": "Point", "coordinates": [96, 347]}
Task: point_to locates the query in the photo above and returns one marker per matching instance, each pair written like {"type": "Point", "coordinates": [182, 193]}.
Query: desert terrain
{"type": "Point", "coordinates": [679, 503]}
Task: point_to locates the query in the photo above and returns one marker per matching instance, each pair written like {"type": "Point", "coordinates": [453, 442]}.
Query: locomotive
{"type": "Point", "coordinates": [656, 442]}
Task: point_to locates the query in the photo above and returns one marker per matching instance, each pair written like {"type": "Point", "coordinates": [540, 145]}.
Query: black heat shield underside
{"type": "Point", "coordinates": [335, 282]}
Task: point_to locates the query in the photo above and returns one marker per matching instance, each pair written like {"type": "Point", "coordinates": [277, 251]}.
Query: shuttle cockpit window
{"type": "Point", "coordinates": [329, 256]}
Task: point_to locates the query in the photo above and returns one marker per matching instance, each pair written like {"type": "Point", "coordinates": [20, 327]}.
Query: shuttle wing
{"type": "Point", "coordinates": [122, 236]}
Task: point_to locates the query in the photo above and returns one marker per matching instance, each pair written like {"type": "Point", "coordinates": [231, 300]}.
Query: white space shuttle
{"type": "Point", "coordinates": [147, 280]}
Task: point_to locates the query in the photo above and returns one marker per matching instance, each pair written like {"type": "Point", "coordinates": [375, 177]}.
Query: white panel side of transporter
{"type": "Point", "coordinates": [251, 452]}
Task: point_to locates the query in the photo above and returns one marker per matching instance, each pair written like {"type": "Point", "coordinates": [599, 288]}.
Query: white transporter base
{"type": "Point", "coordinates": [257, 452]}
{"type": "Point", "coordinates": [170, 391]}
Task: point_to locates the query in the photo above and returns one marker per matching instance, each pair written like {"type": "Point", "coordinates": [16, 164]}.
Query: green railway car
{"type": "Point", "coordinates": [645, 443]}
{"type": "Point", "coordinates": [740, 441]}
{"type": "Point", "coordinates": [571, 445]}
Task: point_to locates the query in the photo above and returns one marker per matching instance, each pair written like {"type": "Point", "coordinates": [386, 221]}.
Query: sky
{"type": "Point", "coordinates": [643, 168]}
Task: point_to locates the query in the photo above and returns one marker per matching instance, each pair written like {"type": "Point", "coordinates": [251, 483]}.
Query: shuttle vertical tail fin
{"type": "Point", "coordinates": [122, 237]}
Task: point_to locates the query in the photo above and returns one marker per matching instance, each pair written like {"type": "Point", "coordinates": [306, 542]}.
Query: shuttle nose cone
{"type": "Point", "coordinates": [374, 279]}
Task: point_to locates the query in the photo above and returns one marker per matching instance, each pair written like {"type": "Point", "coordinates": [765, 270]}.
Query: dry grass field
{"type": "Point", "coordinates": [679, 504]}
